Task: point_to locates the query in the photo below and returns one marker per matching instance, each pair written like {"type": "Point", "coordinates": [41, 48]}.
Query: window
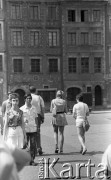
{"type": "Point", "coordinates": [71, 15]}
{"type": "Point", "coordinates": [72, 65]}
{"type": "Point", "coordinates": [34, 12]}
{"type": "Point", "coordinates": [84, 38]}
{"type": "Point", "coordinates": [35, 65]}
{"type": "Point", "coordinates": [96, 15]}
{"type": "Point", "coordinates": [84, 15]}
{"type": "Point", "coordinates": [89, 89]}
{"type": "Point", "coordinates": [53, 38]}
{"type": "Point", "coordinates": [52, 13]}
{"type": "Point", "coordinates": [97, 64]}
{"type": "Point", "coordinates": [1, 63]}
{"type": "Point", "coordinates": [84, 65]}
{"type": "Point", "coordinates": [53, 65]}
{"type": "Point", "coordinates": [16, 11]}
{"type": "Point", "coordinates": [1, 4]}
{"type": "Point", "coordinates": [17, 65]}
{"type": "Point", "coordinates": [34, 38]}
{"type": "Point", "coordinates": [97, 38]}
{"type": "Point", "coordinates": [1, 31]}
{"type": "Point", "coordinates": [71, 38]}
{"type": "Point", "coordinates": [17, 37]}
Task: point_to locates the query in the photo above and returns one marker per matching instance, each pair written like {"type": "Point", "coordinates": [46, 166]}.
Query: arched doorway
{"type": "Point", "coordinates": [71, 96]}
{"type": "Point", "coordinates": [21, 96]}
{"type": "Point", "coordinates": [98, 96]}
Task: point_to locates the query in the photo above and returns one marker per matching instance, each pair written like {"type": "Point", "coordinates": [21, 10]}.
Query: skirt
{"type": "Point", "coordinates": [15, 136]}
{"type": "Point", "coordinates": [59, 120]}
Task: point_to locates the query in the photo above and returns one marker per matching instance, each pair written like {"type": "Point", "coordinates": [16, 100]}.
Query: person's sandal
{"type": "Point", "coordinates": [56, 150]}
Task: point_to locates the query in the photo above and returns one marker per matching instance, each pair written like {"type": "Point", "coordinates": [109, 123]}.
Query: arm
{"type": "Point", "coordinates": [3, 109]}
{"type": "Point", "coordinates": [5, 126]}
{"type": "Point", "coordinates": [87, 110]}
{"type": "Point", "coordinates": [51, 106]}
{"type": "Point", "coordinates": [42, 106]}
{"type": "Point", "coordinates": [23, 128]}
{"type": "Point", "coordinates": [74, 112]}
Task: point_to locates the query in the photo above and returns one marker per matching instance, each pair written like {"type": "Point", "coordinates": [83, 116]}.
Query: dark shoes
{"type": "Point", "coordinates": [84, 151]}
{"type": "Point", "coordinates": [32, 163]}
{"type": "Point", "coordinates": [56, 150]}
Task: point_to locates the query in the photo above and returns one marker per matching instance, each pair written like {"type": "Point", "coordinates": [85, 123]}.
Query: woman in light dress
{"type": "Point", "coordinates": [59, 121]}
{"type": "Point", "coordinates": [80, 112]}
{"type": "Point", "coordinates": [14, 129]}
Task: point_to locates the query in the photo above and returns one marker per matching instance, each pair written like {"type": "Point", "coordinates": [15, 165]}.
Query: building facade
{"type": "Point", "coordinates": [59, 44]}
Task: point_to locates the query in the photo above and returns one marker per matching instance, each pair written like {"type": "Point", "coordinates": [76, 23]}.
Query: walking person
{"type": "Point", "coordinates": [38, 102]}
{"type": "Point", "coordinates": [14, 129]}
{"type": "Point", "coordinates": [6, 105]}
{"type": "Point", "coordinates": [59, 120]}
{"type": "Point", "coordinates": [80, 112]}
{"type": "Point", "coordinates": [30, 120]}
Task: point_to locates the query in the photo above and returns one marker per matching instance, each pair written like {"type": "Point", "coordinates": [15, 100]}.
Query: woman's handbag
{"type": "Point", "coordinates": [86, 125]}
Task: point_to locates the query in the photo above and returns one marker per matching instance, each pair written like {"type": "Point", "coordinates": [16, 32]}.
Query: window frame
{"type": "Point", "coordinates": [52, 6]}
{"type": "Point", "coordinates": [22, 64]}
{"type": "Point", "coordinates": [96, 67]}
{"type": "Point", "coordinates": [85, 20]}
{"type": "Point", "coordinates": [69, 21]}
{"type": "Point", "coordinates": [14, 16]}
{"type": "Point", "coordinates": [35, 57]}
{"type": "Point", "coordinates": [52, 38]}
{"type": "Point", "coordinates": [71, 38]}
{"type": "Point", "coordinates": [95, 37]}
{"type": "Point", "coordinates": [2, 69]}
{"type": "Point", "coordinates": [12, 37]}
{"type": "Point", "coordinates": [72, 72]}
{"type": "Point", "coordinates": [2, 31]}
{"type": "Point", "coordinates": [83, 71]}
{"type": "Point", "coordinates": [58, 64]}
{"type": "Point", "coordinates": [96, 19]}
{"type": "Point", "coordinates": [85, 40]}
{"type": "Point", "coordinates": [33, 18]}
{"type": "Point", "coordinates": [39, 37]}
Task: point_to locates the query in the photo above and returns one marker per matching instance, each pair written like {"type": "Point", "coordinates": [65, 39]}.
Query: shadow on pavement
{"type": "Point", "coordinates": [93, 153]}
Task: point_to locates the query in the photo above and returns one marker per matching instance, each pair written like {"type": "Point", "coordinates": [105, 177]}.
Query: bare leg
{"type": "Point", "coordinates": [61, 129]}
{"type": "Point", "coordinates": [56, 135]}
{"type": "Point", "coordinates": [81, 136]}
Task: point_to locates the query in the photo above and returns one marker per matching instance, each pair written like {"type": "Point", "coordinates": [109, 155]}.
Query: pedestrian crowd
{"type": "Point", "coordinates": [21, 126]}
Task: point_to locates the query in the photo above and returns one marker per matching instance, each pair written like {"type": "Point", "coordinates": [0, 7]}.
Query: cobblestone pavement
{"type": "Point", "coordinates": [97, 140]}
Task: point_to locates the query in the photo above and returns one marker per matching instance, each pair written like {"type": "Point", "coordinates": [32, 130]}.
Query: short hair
{"type": "Point", "coordinates": [32, 89]}
{"type": "Point", "coordinates": [80, 97]}
{"type": "Point", "coordinates": [10, 92]}
{"type": "Point", "coordinates": [59, 93]}
{"type": "Point", "coordinates": [27, 95]}
{"type": "Point", "coordinates": [14, 96]}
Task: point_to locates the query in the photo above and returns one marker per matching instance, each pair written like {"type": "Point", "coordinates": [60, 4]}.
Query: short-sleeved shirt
{"type": "Point", "coordinates": [80, 110]}
{"type": "Point", "coordinates": [37, 102]}
{"type": "Point", "coordinates": [29, 115]}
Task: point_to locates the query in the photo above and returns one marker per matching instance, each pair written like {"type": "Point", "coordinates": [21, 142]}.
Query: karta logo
{"type": "Point", "coordinates": [47, 170]}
